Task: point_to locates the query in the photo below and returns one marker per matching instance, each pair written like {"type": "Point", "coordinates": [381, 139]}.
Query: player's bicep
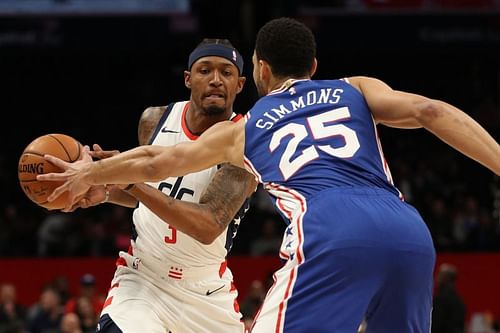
{"type": "Point", "coordinates": [391, 107]}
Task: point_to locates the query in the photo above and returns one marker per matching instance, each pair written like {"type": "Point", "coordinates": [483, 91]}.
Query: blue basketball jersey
{"type": "Point", "coordinates": [314, 146]}
{"type": "Point", "coordinates": [313, 135]}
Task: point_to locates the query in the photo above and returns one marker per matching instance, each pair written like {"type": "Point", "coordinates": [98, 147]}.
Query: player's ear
{"type": "Point", "coordinates": [241, 83]}
{"type": "Point", "coordinates": [187, 79]}
{"type": "Point", "coordinates": [265, 71]}
{"type": "Point", "coordinates": [313, 67]}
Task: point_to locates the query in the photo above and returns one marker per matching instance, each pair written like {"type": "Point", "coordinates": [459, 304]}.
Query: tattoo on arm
{"type": "Point", "coordinates": [148, 122]}
{"type": "Point", "coordinates": [227, 192]}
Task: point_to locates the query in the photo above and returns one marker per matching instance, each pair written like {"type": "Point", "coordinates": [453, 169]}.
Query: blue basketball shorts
{"type": "Point", "coordinates": [352, 255]}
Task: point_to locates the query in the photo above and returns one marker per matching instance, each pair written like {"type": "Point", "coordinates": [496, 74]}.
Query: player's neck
{"type": "Point", "coordinates": [198, 122]}
{"type": "Point", "coordinates": [282, 83]}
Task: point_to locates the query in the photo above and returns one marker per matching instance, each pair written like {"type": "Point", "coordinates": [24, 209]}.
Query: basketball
{"type": "Point", "coordinates": [32, 164]}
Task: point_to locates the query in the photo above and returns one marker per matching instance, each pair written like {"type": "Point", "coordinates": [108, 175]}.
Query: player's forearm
{"type": "Point", "coordinates": [462, 133]}
{"type": "Point", "coordinates": [122, 198]}
{"type": "Point", "coordinates": [190, 218]}
{"type": "Point", "coordinates": [133, 166]}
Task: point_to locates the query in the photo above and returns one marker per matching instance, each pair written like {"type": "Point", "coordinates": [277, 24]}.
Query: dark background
{"type": "Point", "coordinates": [90, 75]}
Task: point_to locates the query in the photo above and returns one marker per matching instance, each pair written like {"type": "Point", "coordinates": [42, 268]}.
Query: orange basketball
{"type": "Point", "coordinates": [32, 164]}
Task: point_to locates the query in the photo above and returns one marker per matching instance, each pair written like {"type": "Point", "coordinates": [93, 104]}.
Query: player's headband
{"type": "Point", "coordinates": [217, 50]}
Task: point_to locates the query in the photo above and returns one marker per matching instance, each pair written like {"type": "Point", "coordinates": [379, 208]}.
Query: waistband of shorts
{"type": "Point", "coordinates": [169, 270]}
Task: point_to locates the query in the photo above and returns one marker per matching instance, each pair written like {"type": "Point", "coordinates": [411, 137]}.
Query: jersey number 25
{"type": "Point", "coordinates": [321, 126]}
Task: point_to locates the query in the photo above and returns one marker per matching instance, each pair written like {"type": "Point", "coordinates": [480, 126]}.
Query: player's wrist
{"type": "Point", "coordinates": [107, 194]}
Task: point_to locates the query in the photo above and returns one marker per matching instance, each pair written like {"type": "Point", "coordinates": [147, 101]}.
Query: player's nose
{"type": "Point", "coordinates": [216, 79]}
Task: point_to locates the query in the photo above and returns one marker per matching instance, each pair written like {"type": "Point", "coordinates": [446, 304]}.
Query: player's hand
{"type": "Point", "coordinates": [100, 154]}
{"type": "Point", "coordinates": [93, 197]}
{"type": "Point", "coordinates": [96, 194]}
{"type": "Point", "coordinates": [72, 176]}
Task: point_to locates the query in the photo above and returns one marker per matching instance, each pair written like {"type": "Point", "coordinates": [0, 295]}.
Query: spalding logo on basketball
{"type": "Point", "coordinates": [32, 163]}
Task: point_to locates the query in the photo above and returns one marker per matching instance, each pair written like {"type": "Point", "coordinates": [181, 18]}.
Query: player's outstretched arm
{"type": "Point", "coordinates": [154, 163]}
{"type": "Point", "coordinates": [218, 205]}
{"type": "Point", "coordinates": [222, 142]}
{"type": "Point", "coordinates": [447, 122]}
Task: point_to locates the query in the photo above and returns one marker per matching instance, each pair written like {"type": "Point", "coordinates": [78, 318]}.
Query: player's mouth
{"type": "Point", "coordinates": [214, 96]}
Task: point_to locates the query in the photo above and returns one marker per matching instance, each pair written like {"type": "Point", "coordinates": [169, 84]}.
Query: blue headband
{"type": "Point", "coordinates": [217, 50]}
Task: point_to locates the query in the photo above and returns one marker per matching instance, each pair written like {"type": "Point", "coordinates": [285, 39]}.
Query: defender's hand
{"type": "Point", "coordinates": [72, 176]}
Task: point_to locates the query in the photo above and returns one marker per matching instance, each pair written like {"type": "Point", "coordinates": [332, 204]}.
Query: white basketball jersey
{"type": "Point", "coordinates": [155, 236]}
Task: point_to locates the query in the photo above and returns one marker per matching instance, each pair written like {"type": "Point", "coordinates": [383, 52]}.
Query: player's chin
{"type": "Point", "coordinates": [214, 109]}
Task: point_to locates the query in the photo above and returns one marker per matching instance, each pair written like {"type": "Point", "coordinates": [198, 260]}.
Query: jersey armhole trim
{"type": "Point", "coordinates": [161, 121]}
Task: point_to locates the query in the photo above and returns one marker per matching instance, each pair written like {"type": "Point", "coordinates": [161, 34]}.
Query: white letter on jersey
{"type": "Point", "coordinates": [336, 94]}
{"type": "Point", "coordinates": [263, 124]}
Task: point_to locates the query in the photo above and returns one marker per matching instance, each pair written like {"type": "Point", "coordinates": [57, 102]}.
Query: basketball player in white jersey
{"type": "Point", "coordinates": [174, 277]}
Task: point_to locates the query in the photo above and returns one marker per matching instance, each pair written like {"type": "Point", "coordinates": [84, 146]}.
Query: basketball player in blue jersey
{"type": "Point", "coordinates": [355, 251]}
{"type": "Point", "coordinates": [175, 278]}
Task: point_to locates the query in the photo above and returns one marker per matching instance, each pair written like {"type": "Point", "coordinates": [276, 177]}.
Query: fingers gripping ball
{"type": "Point", "coordinates": [32, 164]}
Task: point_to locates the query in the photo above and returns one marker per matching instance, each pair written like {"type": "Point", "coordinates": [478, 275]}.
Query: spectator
{"type": "Point", "coordinates": [269, 242]}
{"type": "Point", "coordinates": [88, 290]}
{"type": "Point", "coordinates": [52, 235]}
{"type": "Point", "coordinates": [60, 284]}
{"type": "Point", "coordinates": [45, 316]}
{"type": "Point", "coordinates": [12, 314]}
{"type": "Point", "coordinates": [448, 315]}
{"type": "Point", "coordinates": [466, 222]}
{"type": "Point", "coordinates": [70, 323]}
{"type": "Point", "coordinates": [440, 223]}
{"type": "Point", "coordinates": [87, 315]}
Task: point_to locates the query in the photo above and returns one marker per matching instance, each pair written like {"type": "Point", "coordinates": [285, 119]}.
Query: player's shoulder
{"type": "Point", "coordinates": [356, 78]}
{"type": "Point", "coordinates": [153, 112]}
{"type": "Point", "coordinates": [359, 80]}
{"type": "Point", "coordinates": [148, 122]}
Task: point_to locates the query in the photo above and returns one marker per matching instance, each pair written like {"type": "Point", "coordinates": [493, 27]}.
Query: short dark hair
{"type": "Point", "coordinates": [288, 46]}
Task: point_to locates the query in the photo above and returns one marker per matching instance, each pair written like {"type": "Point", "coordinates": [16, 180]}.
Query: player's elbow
{"type": "Point", "coordinates": [210, 229]}
{"type": "Point", "coordinates": [428, 111]}
{"type": "Point", "coordinates": [210, 235]}
{"type": "Point", "coordinates": [207, 237]}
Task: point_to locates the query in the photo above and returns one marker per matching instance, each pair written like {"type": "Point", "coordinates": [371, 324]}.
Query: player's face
{"type": "Point", "coordinates": [256, 76]}
{"type": "Point", "coordinates": [214, 83]}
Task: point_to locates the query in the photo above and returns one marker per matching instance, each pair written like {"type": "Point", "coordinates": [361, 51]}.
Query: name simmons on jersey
{"type": "Point", "coordinates": [312, 97]}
